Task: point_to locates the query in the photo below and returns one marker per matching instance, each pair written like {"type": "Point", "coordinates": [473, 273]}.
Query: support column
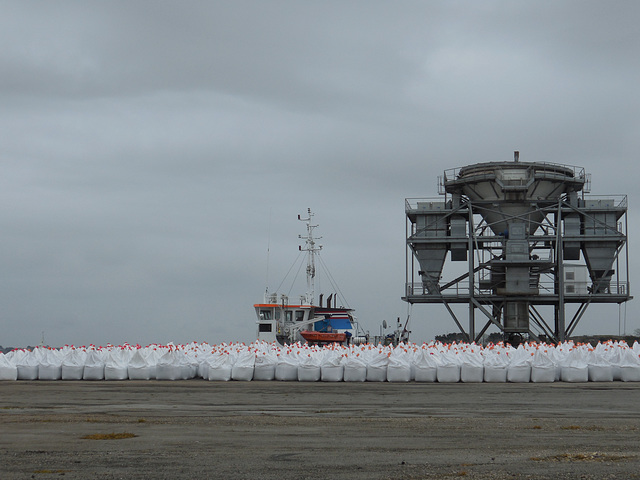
{"type": "Point", "coordinates": [472, 311]}
{"type": "Point", "coordinates": [560, 318]}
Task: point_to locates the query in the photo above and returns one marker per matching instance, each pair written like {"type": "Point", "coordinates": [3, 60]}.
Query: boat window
{"type": "Point", "coordinates": [264, 327]}
{"type": "Point", "coordinates": [265, 314]}
{"type": "Point", "coordinates": [299, 315]}
{"type": "Point", "coordinates": [287, 315]}
{"type": "Point", "coordinates": [277, 314]}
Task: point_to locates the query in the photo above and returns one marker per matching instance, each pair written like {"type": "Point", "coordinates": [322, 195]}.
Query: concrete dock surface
{"type": "Point", "coordinates": [295, 430]}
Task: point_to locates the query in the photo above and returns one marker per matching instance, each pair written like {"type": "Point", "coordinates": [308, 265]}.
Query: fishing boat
{"type": "Point", "coordinates": [283, 321]}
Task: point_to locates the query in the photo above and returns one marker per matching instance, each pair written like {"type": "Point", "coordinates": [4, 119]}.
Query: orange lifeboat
{"type": "Point", "coordinates": [323, 337]}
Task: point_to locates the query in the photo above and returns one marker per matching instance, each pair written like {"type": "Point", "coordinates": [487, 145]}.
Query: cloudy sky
{"type": "Point", "coordinates": [155, 154]}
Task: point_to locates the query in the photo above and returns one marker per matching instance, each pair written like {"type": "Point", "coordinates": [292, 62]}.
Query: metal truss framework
{"type": "Point", "coordinates": [586, 229]}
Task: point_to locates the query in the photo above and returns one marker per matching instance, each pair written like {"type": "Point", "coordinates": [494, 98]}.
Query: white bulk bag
{"type": "Point", "coordinates": [93, 367]}
{"type": "Point", "coordinates": [50, 367]}
{"type": "Point", "coordinates": [138, 368]}
{"type": "Point", "coordinates": [600, 373]}
{"type": "Point", "coordinates": [574, 374]}
{"type": "Point", "coordinates": [495, 366]}
{"type": "Point", "coordinates": [265, 365]}
{"type": "Point", "coordinates": [168, 367]}
{"type": "Point", "coordinates": [8, 371]}
{"type": "Point", "coordinates": [599, 369]}
{"type": "Point", "coordinates": [287, 367]}
{"type": "Point", "coordinates": [115, 367]}
{"type": "Point", "coordinates": [191, 362]}
{"type": "Point", "coordinates": [152, 355]}
{"type": "Point", "coordinates": [309, 366]}
{"type": "Point", "coordinates": [471, 367]}
{"type": "Point", "coordinates": [243, 367]}
{"type": "Point", "coordinates": [220, 366]}
{"type": "Point", "coordinates": [559, 356]}
{"type": "Point", "coordinates": [575, 368]}
{"type": "Point", "coordinates": [519, 368]}
{"type": "Point", "coordinates": [73, 365]}
{"type": "Point", "coordinates": [377, 363]}
{"type": "Point", "coordinates": [331, 368]}
{"type": "Point", "coordinates": [355, 369]}
{"type": "Point", "coordinates": [27, 366]}
{"type": "Point", "coordinates": [629, 366]}
{"type": "Point", "coordinates": [425, 365]}
{"type": "Point", "coordinates": [543, 369]}
{"type": "Point", "coordinates": [399, 366]}
{"type": "Point", "coordinates": [612, 355]}
{"type": "Point", "coordinates": [448, 367]}
{"type": "Point", "coordinates": [203, 367]}
{"type": "Point", "coordinates": [185, 368]}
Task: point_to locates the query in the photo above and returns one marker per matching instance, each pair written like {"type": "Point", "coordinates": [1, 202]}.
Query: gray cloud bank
{"type": "Point", "coordinates": [152, 151]}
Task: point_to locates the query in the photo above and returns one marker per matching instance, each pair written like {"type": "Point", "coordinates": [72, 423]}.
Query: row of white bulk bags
{"type": "Point", "coordinates": [308, 365]}
{"type": "Point", "coordinates": [260, 361]}
{"type": "Point", "coordinates": [471, 368]}
{"type": "Point", "coordinates": [113, 364]}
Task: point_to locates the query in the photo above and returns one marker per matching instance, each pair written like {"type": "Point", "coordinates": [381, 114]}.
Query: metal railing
{"type": "Point", "coordinates": [619, 200]}
{"type": "Point", "coordinates": [539, 167]}
{"type": "Point", "coordinates": [546, 288]}
{"type": "Point", "coordinates": [411, 204]}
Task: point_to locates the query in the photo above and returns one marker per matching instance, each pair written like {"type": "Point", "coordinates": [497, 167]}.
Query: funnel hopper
{"type": "Point", "coordinates": [513, 191]}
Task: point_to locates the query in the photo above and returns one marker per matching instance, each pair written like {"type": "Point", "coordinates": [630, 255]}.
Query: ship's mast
{"type": "Point", "coordinates": [312, 249]}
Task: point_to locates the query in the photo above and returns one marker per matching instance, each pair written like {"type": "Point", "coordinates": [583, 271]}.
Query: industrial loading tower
{"type": "Point", "coordinates": [510, 229]}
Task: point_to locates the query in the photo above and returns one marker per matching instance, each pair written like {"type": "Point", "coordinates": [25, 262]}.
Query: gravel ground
{"type": "Point", "coordinates": [292, 430]}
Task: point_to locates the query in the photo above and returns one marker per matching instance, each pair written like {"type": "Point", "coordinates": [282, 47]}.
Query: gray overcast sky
{"type": "Point", "coordinates": [152, 151]}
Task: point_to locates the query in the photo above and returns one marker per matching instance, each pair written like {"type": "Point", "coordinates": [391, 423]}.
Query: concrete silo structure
{"type": "Point", "coordinates": [524, 237]}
